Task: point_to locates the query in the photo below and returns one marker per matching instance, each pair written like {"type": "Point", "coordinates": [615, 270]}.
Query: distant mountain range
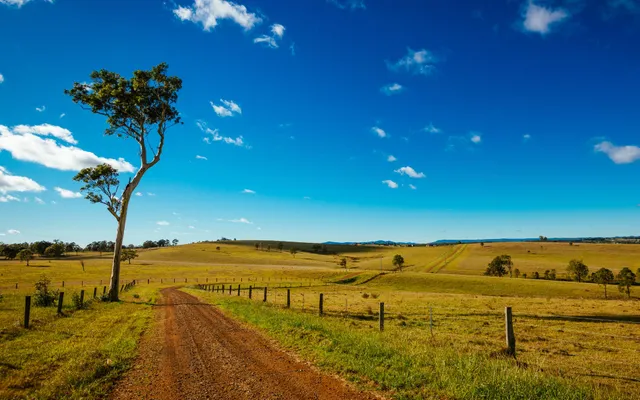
{"type": "Point", "coordinates": [374, 242]}
{"type": "Point", "coordinates": [451, 241]}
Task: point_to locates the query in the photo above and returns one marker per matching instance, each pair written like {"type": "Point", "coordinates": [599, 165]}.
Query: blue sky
{"type": "Point", "coordinates": [332, 120]}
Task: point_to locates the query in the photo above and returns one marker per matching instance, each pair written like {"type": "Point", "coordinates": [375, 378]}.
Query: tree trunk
{"type": "Point", "coordinates": [115, 267]}
{"type": "Point", "coordinates": [605, 292]}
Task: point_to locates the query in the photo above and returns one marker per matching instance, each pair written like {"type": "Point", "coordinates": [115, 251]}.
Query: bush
{"type": "Point", "coordinates": [365, 295]}
{"type": "Point", "coordinates": [136, 296]}
{"type": "Point", "coordinates": [75, 299]}
{"type": "Point", "coordinates": [375, 295]}
{"type": "Point", "coordinates": [43, 297]}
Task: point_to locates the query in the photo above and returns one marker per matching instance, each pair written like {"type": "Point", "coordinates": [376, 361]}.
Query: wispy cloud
{"type": "Point", "coordinates": [271, 40]}
{"type": "Point", "coordinates": [163, 223]}
{"type": "Point", "coordinates": [266, 39]}
{"type": "Point", "coordinates": [391, 158]}
{"type": "Point", "coordinates": [468, 142]}
{"type": "Point", "coordinates": [292, 49]}
{"type": "Point", "coordinates": [38, 200]}
{"type": "Point", "coordinates": [227, 109]}
{"type": "Point", "coordinates": [348, 4]}
{"type": "Point", "coordinates": [476, 138]}
{"type": "Point", "coordinates": [432, 129]}
{"type": "Point", "coordinates": [390, 184]}
{"type": "Point", "coordinates": [379, 131]}
{"type": "Point", "coordinates": [201, 158]}
{"type": "Point", "coordinates": [41, 109]}
{"type": "Point", "coordinates": [7, 198]}
{"type": "Point", "coordinates": [410, 172]}
{"type": "Point", "coordinates": [19, 3]}
{"type": "Point", "coordinates": [217, 137]}
{"type": "Point", "coordinates": [13, 232]}
{"type": "Point", "coordinates": [208, 13]}
{"type": "Point", "coordinates": [241, 221]}
{"type": "Point", "coordinates": [1, 76]}
{"type": "Point", "coordinates": [14, 183]}
{"type": "Point", "coordinates": [62, 115]}
{"type": "Point", "coordinates": [631, 6]}
{"type": "Point", "coordinates": [150, 194]}
{"type": "Point", "coordinates": [392, 88]}
{"type": "Point", "coordinates": [67, 194]}
{"type": "Point", "coordinates": [541, 19]}
{"type": "Point", "coordinates": [421, 62]}
{"type": "Point", "coordinates": [139, 194]}
{"type": "Point", "coordinates": [25, 144]}
{"type": "Point", "coordinates": [526, 137]}
{"type": "Point", "coordinates": [413, 187]}
{"type": "Point", "coordinates": [619, 154]}
{"type": "Point", "coordinates": [248, 191]}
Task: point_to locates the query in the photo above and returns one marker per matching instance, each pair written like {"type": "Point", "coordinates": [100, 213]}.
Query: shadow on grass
{"type": "Point", "coordinates": [603, 318]}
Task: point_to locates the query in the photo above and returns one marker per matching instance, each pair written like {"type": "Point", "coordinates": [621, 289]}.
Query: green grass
{"type": "Point", "coordinates": [397, 363]}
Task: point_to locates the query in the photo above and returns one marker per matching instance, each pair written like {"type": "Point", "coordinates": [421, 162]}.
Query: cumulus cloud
{"type": "Point", "coordinates": [217, 137]}
{"type": "Point", "coordinates": [392, 88]}
{"type": "Point", "coordinates": [14, 183]}
{"type": "Point", "coordinates": [228, 109]}
{"type": "Point", "coordinates": [379, 131]}
{"type": "Point", "coordinates": [432, 129]}
{"type": "Point", "coordinates": [248, 191]}
{"type": "Point", "coordinates": [201, 158]}
{"type": "Point", "coordinates": [163, 223]}
{"type": "Point", "coordinates": [241, 221]}
{"type": "Point", "coordinates": [277, 30]}
{"type": "Point", "coordinates": [421, 62]}
{"type": "Point", "coordinates": [13, 232]}
{"type": "Point", "coordinates": [391, 158]}
{"type": "Point", "coordinates": [391, 184]}
{"type": "Point", "coordinates": [619, 154]}
{"type": "Point", "coordinates": [67, 194]}
{"type": "Point", "coordinates": [208, 13]}
{"type": "Point", "coordinates": [476, 138]}
{"type": "Point", "coordinates": [410, 172]}
{"type": "Point", "coordinates": [348, 4]}
{"type": "Point", "coordinates": [540, 19]}
{"type": "Point", "coordinates": [41, 109]}
{"type": "Point", "coordinates": [25, 144]}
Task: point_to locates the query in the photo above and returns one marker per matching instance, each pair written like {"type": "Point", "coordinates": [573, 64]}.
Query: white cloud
{"type": "Point", "coordinates": [391, 158]}
{"type": "Point", "coordinates": [410, 172]}
{"type": "Point", "coordinates": [421, 62]}
{"type": "Point", "coordinates": [292, 48]}
{"type": "Point", "coordinates": [38, 200]}
{"type": "Point", "coordinates": [67, 194]}
{"type": "Point", "coordinates": [248, 191]}
{"type": "Point", "coordinates": [47, 152]}
{"type": "Point", "coordinates": [348, 4]}
{"type": "Point", "coordinates": [13, 232]}
{"type": "Point", "coordinates": [19, 3]}
{"type": "Point", "coordinates": [1, 76]}
{"type": "Point", "coordinates": [229, 108]}
{"type": "Point", "coordinates": [8, 198]}
{"type": "Point", "coordinates": [14, 183]}
{"type": "Point", "coordinates": [540, 19]}
{"type": "Point", "coordinates": [53, 202]}
{"type": "Point", "coordinates": [619, 154]}
{"type": "Point", "coordinates": [392, 88]}
{"type": "Point", "coordinates": [192, 227]}
{"type": "Point", "coordinates": [526, 137]}
{"type": "Point", "coordinates": [216, 137]}
{"type": "Point", "coordinates": [277, 30]}
{"type": "Point", "coordinates": [201, 158]}
{"type": "Point", "coordinates": [266, 39]}
{"type": "Point", "coordinates": [391, 184]}
{"type": "Point", "coordinates": [41, 109]}
{"type": "Point", "coordinates": [46, 130]}
{"type": "Point", "coordinates": [379, 131]}
{"type": "Point", "coordinates": [150, 194]}
{"type": "Point", "coordinates": [432, 129]}
{"type": "Point", "coordinates": [139, 194]}
{"type": "Point", "coordinates": [413, 187]}
{"type": "Point", "coordinates": [162, 223]}
{"type": "Point", "coordinates": [241, 221]}
{"type": "Point", "coordinates": [209, 12]}
{"type": "Point", "coordinates": [476, 138]}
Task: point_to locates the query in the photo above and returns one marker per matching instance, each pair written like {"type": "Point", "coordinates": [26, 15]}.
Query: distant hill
{"type": "Point", "coordinates": [373, 243]}
{"type": "Point", "coordinates": [618, 239]}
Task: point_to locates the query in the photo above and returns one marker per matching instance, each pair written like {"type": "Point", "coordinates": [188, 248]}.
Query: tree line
{"type": "Point", "coordinates": [577, 270]}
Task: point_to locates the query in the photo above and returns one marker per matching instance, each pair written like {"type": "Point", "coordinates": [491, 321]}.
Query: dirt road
{"type": "Point", "coordinates": [193, 351]}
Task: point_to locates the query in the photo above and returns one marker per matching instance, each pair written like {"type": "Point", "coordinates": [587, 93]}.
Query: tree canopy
{"type": "Point", "coordinates": [577, 270]}
{"type": "Point", "coordinates": [499, 266]}
{"type": "Point", "coordinates": [626, 278]}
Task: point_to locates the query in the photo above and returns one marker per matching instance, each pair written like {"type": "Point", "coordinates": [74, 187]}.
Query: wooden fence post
{"type": "Point", "coordinates": [238, 290]}
{"type": "Point", "coordinates": [320, 304]}
{"type": "Point", "coordinates": [222, 289]}
{"type": "Point", "coordinates": [250, 291]}
{"type": "Point", "coordinates": [62, 283]}
{"type": "Point", "coordinates": [104, 290]}
{"type": "Point", "coordinates": [511, 339]}
{"type": "Point", "coordinates": [60, 298]}
{"type": "Point", "coordinates": [81, 298]}
{"type": "Point", "coordinates": [288, 298]}
{"type": "Point", "coordinates": [27, 311]}
{"type": "Point", "coordinates": [95, 292]}
{"type": "Point", "coordinates": [265, 295]}
{"type": "Point", "coordinates": [431, 320]}
{"type": "Point", "coordinates": [381, 317]}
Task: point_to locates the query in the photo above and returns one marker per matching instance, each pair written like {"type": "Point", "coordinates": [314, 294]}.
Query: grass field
{"type": "Point", "coordinates": [571, 342]}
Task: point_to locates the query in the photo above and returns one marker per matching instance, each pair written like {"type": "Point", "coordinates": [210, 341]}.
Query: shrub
{"type": "Point", "coordinates": [136, 296]}
{"type": "Point", "coordinates": [375, 295]}
{"type": "Point", "coordinates": [43, 297]}
{"type": "Point", "coordinates": [365, 295]}
{"type": "Point", "coordinates": [75, 299]}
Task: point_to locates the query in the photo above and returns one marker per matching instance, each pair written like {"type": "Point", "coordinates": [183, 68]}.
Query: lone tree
{"type": "Point", "coordinates": [25, 255]}
{"type": "Point", "coordinates": [280, 246]}
{"type": "Point", "coordinates": [174, 242]}
{"type": "Point", "coordinates": [128, 255]}
{"type": "Point", "coordinates": [293, 252]}
{"type": "Point", "coordinates": [577, 270]}
{"type": "Point", "coordinates": [134, 108]}
{"type": "Point", "coordinates": [626, 279]}
{"type": "Point", "coordinates": [603, 277]}
{"type": "Point", "coordinates": [499, 266]}
{"type": "Point", "coordinates": [398, 261]}
{"type": "Point", "coordinates": [343, 262]}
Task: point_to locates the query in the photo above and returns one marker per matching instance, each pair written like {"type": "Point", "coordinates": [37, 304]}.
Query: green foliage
{"type": "Point", "coordinates": [55, 250]}
{"type": "Point", "coordinates": [552, 274]}
{"type": "Point", "coordinates": [398, 261]}
{"type": "Point", "coordinates": [44, 297]}
{"type": "Point", "coordinates": [536, 275]}
{"type": "Point", "coordinates": [316, 248]}
{"type": "Point", "coordinates": [343, 262]}
{"type": "Point", "coordinates": [78, 303]}
{"type": "Point", "coordinates": [175, 242]}
{"type": "Point", "coordinates": [293, 252]}
{"type": "Point", "coordinates": [626, 278]}
{"type": "Point", "coordinates": [128, 255]}
{"type": "Point", "coordinates": [280, 246]}
{"type": "Point", "coordinates": [499, 266]}
{"type": "Point", "coordinates": [516, 272]}
{"type": "Point", "coordinates": [603, 276]}
{"type": "Point", "coordinates": [25, 255]}
{"type": "Point", "coordinates": [577, 270]}
{"type": "Point", "coordinates": [40, 247]}
{"type": "Point", "coordinates": [101, 185]}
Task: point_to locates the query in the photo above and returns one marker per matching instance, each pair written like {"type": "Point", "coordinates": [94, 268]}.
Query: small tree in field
{"type": "Point", "coordinates": [293, 252]}
{"type": "Point", "coordinates": [280, 246]}
{"type": "Point", "coordinates": [257, 246]}
{"type": "Point", "coordinates": [577, 270]}
{"type": "Point", "coordinates": [343, 262]}
{"type": "Point", "coordinates": [536, 275]}
{"type": "Point", "coordinates": [128, 255]}
{"type": "Point", "coordinates": [55, 250]}
{"type": "Point", "coordinates": [516, 273]}
{"type": "Point", "coordinates": [174, 242]}
{"type": "Point", "coordinates": [603, 277]}
{"type": "Point", "coordinates": [398, 261]}
{"type": "Point", "coordinates": [25, 255]}
{"type": "Point", "coordinates": [552, 275]}
{"type": "Point", "coordinates": [626, 279]}
{"type": "Point", "coordinates": [134, 109]}
{"type": "Point", "coordinates": [499, 265]}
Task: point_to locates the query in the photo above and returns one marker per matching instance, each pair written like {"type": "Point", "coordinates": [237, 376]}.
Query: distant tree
{"type": "Point", "coordinates": [552, 275]}
{"type": "Point", "coordinates": [40, 247]}
{"type": "Point", "coordinates": [269, 248]}
{"type": "Point", "coordinates": [603, 277]}
{"type": "Point", "coordinates": [543, 238]}
{"type": "Point", "coordinates": [516, 272]}
{"type": "Point", "coordinates": [398, 261]}
{"type": "Point", "coordinates": [577, 270]}
{"type": "Point", "coordinates": [174, 242]}
{"type": "Point", "coordinates": [218, 248]}
{"type": "Point", "coordinates": [134, 108]}
{"type": "Point", "coordinates": [499, 265]}
{"type": "Point", "coordinates": [293, 252]}
{"type": "Point", "coordinates": [257, 246]}
{"type": "Point", "coordinates": [25, 255]}
{"type": "Point", "coordinates": [570, 243]}
{"type": "Point", "coordinates": [536, 275]}
{"type": "Point", "coordinates": [546, 274]}
{"type": "Point", "coordinates": [316, 248]}
{"type": "Point", "coordinates": [626, 279]}
{"type": "Point", "coordinates": [280, 246]}
{"type": "Point", "coordinates": [325, 249]}
{"type": "Point", "coordinates": [481, 244]}
{"type": "Point", "coordinates": [10, 252]}
{"type": "Point", "coordinates": [55, 250]}
{"type": "Point", "coordinates": [128, 255]}
{"type": "Point", "coordinates": [343, 262]}
{"type": "Point", "coordinates": [524, 275]}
